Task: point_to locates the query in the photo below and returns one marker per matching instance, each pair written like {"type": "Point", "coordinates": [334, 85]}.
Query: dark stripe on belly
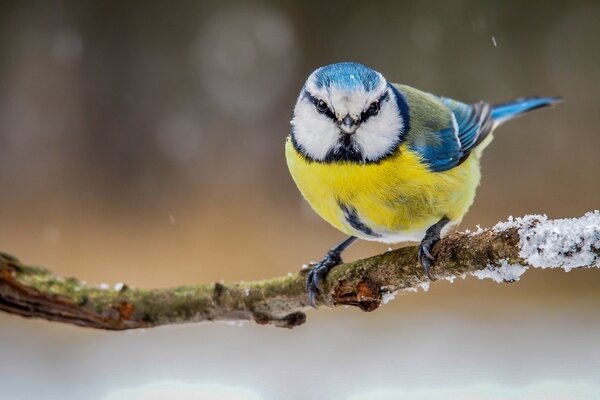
{"type": "Point", "coordinates": [354, 220]}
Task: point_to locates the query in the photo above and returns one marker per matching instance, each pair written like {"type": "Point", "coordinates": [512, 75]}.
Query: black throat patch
{"type": "Point", "coordinates": [347, 150]}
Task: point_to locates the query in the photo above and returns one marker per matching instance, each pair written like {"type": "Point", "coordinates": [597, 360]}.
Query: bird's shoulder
{"type": "Point", "coordinates": [444, 131]}
{"type": "Point", "coordinates": [427, 112]}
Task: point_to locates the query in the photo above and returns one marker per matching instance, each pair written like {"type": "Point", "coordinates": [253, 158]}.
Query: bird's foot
{"type": "Point", "coordinates": [425, 257]}
{"type": "Point", "coordinates": [318, 273]}
{"type": "Point", "coordinates": [432, 236]}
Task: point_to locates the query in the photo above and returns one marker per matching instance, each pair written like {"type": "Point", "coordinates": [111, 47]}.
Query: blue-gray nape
{"type": "Point", "coordinates": [403, 108]}
{"type": "Point", "coordinates": [347, 75]}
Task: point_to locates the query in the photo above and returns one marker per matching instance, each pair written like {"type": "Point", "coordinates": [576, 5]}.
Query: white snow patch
{"type": "Point", "coordinates": [562, 243]}
{"type": "Point", "coordinates": [477, 231]}
{"type": "Point", "coordinates": [422, 285]}
{"type": "Point", "coordinates": [518, 222]}
{"type": "Point", "coordinates": [506, 272]}
{"type": "Point", "coordinates": [450, 278]}
{"type": "Point", "coordinates": [388, 296]}
{"type": "Point", "coordinates": [104, 286]}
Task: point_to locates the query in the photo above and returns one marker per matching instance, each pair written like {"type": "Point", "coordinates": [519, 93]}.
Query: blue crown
{"type": "Point", "coordinates": [347, 75]}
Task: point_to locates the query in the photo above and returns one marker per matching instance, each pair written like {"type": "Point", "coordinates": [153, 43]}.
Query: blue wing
{"type": "Point", "coordinates": [471, 123]}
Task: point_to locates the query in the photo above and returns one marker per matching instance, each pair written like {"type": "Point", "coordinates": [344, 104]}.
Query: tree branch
{"type": "Point", "coordinates": [501, 253]}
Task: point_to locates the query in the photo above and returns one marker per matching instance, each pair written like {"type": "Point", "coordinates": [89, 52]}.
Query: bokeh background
{"type": "Point", "coordinates": [142, 142]}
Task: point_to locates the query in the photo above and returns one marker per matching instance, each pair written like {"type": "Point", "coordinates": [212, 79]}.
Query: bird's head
{"type": "Point", "coordinates": [348, 112]}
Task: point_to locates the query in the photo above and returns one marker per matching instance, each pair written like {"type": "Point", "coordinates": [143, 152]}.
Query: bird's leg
{"type": "Point", "coordinates": [432, 236]}
{"type": "Point", "coordinates": [320, 271]}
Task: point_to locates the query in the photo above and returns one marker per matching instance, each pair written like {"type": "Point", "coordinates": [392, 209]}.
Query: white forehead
{"type": "Point", "coordinates": [351, 100]}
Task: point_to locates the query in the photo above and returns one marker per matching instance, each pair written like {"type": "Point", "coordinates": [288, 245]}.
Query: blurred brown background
{"type": "Point", "coordinates": [142, 142]}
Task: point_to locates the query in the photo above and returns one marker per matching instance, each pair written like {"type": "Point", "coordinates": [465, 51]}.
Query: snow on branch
{"type": "Point", "coordinates": [502, 253]}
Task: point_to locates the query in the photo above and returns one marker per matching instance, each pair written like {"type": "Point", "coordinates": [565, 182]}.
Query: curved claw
{"type": "Point", "coordinates": [425, 257]}
{"type": "Point", "coordinates": [425, 251]}
{"type": "Point", "coordinates": [316, 275]}
{"type": "Point", "coordinates": [432, 236]}
{"type": "Point", "coordinates": [425, 261]}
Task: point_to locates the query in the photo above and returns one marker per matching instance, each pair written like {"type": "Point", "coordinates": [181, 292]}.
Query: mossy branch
{"type": "Point", "coordinates": [36, 292]}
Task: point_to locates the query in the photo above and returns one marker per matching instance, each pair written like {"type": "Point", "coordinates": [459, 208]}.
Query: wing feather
{"type": "Point", "coordinates": [471, 124]}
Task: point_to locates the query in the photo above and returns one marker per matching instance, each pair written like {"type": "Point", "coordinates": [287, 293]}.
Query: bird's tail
{"type": "Point", "coordinates": [505, 111]}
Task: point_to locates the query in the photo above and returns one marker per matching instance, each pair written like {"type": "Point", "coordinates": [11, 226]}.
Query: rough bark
{"type": "Point", "coordinates": [35, 292]}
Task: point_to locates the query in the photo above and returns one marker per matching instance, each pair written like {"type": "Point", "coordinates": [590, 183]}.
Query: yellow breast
{"type": "Point", "coordinates": [397, 199]}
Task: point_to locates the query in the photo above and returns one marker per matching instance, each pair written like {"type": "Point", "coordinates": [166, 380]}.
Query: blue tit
{"type": "Point", "coordinates": [387, 162]}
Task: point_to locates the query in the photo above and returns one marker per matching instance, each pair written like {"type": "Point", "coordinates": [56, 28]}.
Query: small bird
{"type": "Point", "coordinates": [386, 162]}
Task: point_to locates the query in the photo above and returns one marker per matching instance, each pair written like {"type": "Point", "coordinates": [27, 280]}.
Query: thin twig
{"type": "Point", "coordinates": [36, 292]}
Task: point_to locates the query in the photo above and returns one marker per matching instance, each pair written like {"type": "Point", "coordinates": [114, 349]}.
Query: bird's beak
{"type": "Point", "coordinates": [348, 125]}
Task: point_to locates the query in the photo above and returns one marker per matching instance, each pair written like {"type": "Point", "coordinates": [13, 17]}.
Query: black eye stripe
{"type": "Point", "coordinates": [374, 107]}
{"type": "Point", "coordinates": [327, 112]}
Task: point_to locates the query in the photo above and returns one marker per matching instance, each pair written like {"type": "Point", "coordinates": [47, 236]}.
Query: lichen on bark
{"type": "Point", "coordinates": [36, 292]}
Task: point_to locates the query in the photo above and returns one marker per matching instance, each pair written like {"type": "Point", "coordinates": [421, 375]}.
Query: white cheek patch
{"type": "Point", "coordinates": [316, 133]}
{"type": "Point", "coordinates": [379, 134]}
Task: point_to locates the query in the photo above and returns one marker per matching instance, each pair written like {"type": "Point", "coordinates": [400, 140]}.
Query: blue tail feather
{"type": "Point", "coordinates": [505, 111]}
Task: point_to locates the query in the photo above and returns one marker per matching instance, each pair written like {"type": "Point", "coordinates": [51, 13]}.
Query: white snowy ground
{"type": "Point", "coordinates": [345, 354]}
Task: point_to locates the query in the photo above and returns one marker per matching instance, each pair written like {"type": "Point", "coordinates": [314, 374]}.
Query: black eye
{"type": "Point", "coordinates": [321, 106]}
{"type": "Point", "coordinates": [373, 108]}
